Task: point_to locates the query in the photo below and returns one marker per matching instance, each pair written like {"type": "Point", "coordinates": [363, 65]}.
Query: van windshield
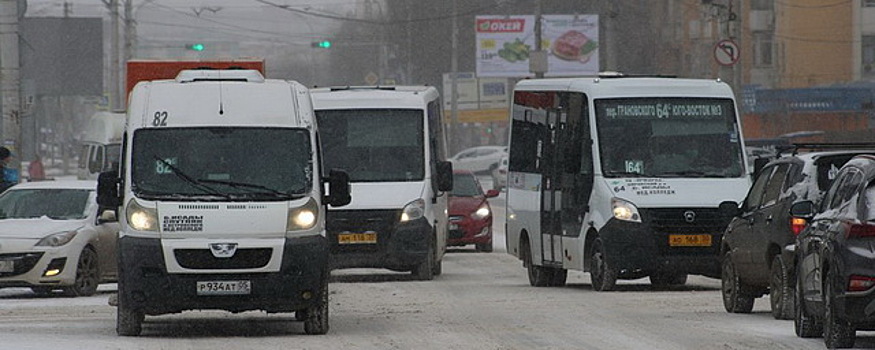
{"type": "Point", "coordinates": [668, 137]}
{"type": "Point", "coordinates": [374, 144]}
{"type": "Point", "coordinates": [221, 163]}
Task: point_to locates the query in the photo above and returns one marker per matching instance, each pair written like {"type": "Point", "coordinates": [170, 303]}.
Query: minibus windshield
{"type": "Point", "coordinates": [227, 163]}
{"type": "Point", "coordinates": [374, 145]}
{"type": "Point", "coordinates": [668, 137]}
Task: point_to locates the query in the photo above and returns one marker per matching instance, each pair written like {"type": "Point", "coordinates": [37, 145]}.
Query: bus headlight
{"type": "Point", "coordinates": [141, 218]}
{"type": "Point", "coordinates": [624, 210]}
{"type": "Point", "coordinates": [413, 210]}
{"type": "Point", "coordinates": [303, 217]}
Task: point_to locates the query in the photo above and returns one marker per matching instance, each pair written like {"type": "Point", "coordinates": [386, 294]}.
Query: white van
{"type": "Point", "coordinates": [101, 144]}
{"type": "Point", "coordinates": [392, 143]}
{"type": "Point", "coordinates": [221, 199]}
{"type": "Point", "coordinates": [623, 177]}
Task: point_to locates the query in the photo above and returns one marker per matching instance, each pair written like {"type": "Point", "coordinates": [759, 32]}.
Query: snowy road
{"type": "Point", "coordinates": [481, 301]}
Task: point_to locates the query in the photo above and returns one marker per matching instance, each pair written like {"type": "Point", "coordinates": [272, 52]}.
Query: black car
{"type": "Point", "coordinates": [753, 255]}
{"type": "Point", "coordinates": [835, 258]}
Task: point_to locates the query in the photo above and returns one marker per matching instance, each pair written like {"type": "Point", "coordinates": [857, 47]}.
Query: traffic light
{"type": "Point", "coordinates": [324, 44]}
{"type": "Point", "coordinates": [195, 47]}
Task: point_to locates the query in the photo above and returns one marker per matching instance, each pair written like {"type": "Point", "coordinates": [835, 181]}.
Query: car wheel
{"type": "Point", "coordinates": [780, 290]}
{"type": "Point", "coordinates": [425, 270]}
{"type": "Point", "coordinates": [539, 276]}
{"type": "Point", "coordinates": [838, 333]}
{"type": "Point", "coordinates": [87, 275]}
{"type": "Point", "coordinates": [558, 278]}
{"type": "Point", "coordinates": [485, 247]}
{"type": "Point", "coordinates": [805, 324]}
{"type": "Point", "coordinates": [316, 316]}
{"type": "Point", "coordinates": [604, 277]}
{"type": "Point", "coordinates": [735, 297]}
{"type": "Point", "coordinates": [663, 279]}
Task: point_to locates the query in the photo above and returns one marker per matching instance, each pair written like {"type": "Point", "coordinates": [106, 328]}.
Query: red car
{"type": "Point", "coordinates": [469, 211]}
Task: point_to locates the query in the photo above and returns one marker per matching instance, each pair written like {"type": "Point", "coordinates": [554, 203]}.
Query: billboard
{"type": "Point", "coordinates": [504, 44]}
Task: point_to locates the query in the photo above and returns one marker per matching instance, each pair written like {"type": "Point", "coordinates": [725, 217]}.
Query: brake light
{"type": "Point", "coordinates": [859, 283]}
{"type": "Point", "coordinates": [797, 225]}
{"type": "Point", "coordinates": [861, 231]}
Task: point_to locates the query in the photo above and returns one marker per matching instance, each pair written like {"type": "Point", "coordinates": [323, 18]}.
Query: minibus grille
{"type": "Point", "coordinates": [381, 222]}
{"type": "Point", "coordinates": [685, 221]}
{"type": "Point", "coordinates": [203, 259]}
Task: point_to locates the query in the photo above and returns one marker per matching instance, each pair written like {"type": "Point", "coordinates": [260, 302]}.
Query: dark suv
{"type": "Point", "coordinates": [836, 264]}
{"type": "Point", "coordinates": [756, 252]}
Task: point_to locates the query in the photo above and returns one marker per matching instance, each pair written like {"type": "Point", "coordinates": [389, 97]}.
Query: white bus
{"type": "Point", "coordinates": [101, 144]}
{"type": "Point", "coordinates": [622, 177]}
{"type": "Point", "coordinates": [221, 199]}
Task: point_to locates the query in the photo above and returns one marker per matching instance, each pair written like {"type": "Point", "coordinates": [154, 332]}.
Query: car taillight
{"type": "Point", "coordinates": [861, 231]}
{"type": "Point", "coordinates": [859, 283]}
{"type": "Point", "coordinates": [797, 225]}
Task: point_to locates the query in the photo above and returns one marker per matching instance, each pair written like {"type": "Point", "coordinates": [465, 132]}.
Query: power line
{"type": "Point", "coordinates": [500, 4]}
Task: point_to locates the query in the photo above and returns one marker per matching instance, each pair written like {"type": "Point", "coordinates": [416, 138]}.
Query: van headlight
{"type": "Point", "coordinates": [303, 217]}
{"type": "Point", "coordinates": [624, 210]}
{"type": "Point", "coordinates": [57, 239]}
{"type": "Point", "coordinates": [413, 210]}
{"type": "Point", "coordinates": [141, 218]}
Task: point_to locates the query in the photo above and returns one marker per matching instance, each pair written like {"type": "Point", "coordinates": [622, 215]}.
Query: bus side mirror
{"type": "Point", "coordinates": [804, 210]}
{"type": "Point", "coordinates": [338, 188]}
{"type": "Point", "coordinates": [444, 176]}
{"type": "Point", "coordinates": [107, 190]}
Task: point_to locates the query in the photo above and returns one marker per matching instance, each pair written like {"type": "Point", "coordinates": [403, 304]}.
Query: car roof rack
{"type": "Point", "coordinates": [796, 147]}
{"type": "Point", "coordinates": [617, 75]}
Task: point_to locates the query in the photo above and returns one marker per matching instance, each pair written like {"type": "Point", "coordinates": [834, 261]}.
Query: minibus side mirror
{"type": "Point", "coordinates": [338, 188]}
{"type": "Point", "coordinates": [444, 176]}
{"type": "Point", "coordinates": [729, 209]}
{"type": "Point", "coordinates": [108, 190]}
{"type": "Point", "coordinates": [804, 210]}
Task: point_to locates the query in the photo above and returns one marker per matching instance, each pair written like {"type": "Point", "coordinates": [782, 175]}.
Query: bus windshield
{"type": "Point", "coordinates": [222, 163]}
{"type": "Point", "coordinates": [374, 145]}
{"type": "Point", "coordinates": [669, 137]}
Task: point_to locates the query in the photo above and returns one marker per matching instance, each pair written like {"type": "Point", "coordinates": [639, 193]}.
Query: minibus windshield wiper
{"type": "Point", "coordinates": [188, 179]}
{"type": "Point", "coordinates": [266, 190]}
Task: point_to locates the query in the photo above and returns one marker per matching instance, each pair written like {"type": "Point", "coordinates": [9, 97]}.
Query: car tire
{"type": "Point", "coordinates": [484, 248]}
{"type": "Point", "coordinates": [781, 290]}
{"type": "Point", "coordinates": [805, 324]}
{"type": "Point", "coordinates": [602, 275]}
{"type": "Point", "coordinates": [425, 270]}
{"type": "Point", "coordinates": [663, 279]}
{"type": "Point", "coordinates": [316, 320]}
{"type": "Point", "coordinates": [539, 276]}
{"type": "Point", "coordinates": [87, 275]}
{"type": "Point", "coordinates": [838, 333]}
{"type": "Point", "coordinates": [736, 297]}
{"type": "Point", "coordinates": [129, 322]}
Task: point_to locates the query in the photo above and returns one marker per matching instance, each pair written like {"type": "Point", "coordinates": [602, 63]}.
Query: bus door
{"type": "Point", "coordinates": [567, 178]}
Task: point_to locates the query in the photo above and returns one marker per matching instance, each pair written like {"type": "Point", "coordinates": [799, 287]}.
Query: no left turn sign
{"type": "Point", "coordinates": [726, 52]}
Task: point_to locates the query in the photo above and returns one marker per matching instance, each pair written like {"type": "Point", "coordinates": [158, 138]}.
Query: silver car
{"type": "Point", "coordinates": [499, 174]}
{"type": "Point", "coordinates": [51, 238]}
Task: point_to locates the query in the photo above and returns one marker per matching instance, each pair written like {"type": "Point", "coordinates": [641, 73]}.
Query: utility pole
{"type": "Point", "coordinates": [10, 81]}
{"type": "Point", "coordinates": [538, 58]}
{"type": "Point", "coordinates": [454, 68]}
{"type": "Point", "coordinates": [114, 91]}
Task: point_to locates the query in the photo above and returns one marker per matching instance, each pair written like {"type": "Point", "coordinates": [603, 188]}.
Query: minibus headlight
{"type": "Point", "coordinates": [624, 210]}
{"type": "Point", "coordinates": [413, 210]}
{"type": "Point", "coordinates": [141, 218]}
{"type": "Point", "coordinates": [303, 217]}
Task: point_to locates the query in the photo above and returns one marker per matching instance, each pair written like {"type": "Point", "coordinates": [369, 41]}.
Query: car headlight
{"type": "Point", "coordinates": [413, 210]}
{"type": "Point", "coordinates": [57, 239]}
{"type": "Point", "coordinates": [303, 217]}
{"type": "Point", "coordinates": [624, 210]}
{"type": "Point", "coordinates": [481, 212]}
{"type": "Point", "coordinates": [141, 218]}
